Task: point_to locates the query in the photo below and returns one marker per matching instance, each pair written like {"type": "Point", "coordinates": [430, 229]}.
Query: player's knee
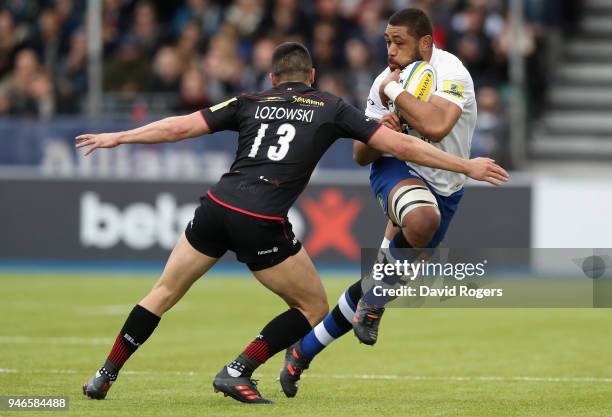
{"type": "Point", "coordinates": [416, 209]}
{"type": "Point", "coordinates": [322, 310]}
{"type": "Point", "coordinates": [315, 311]}
{"type": "Point", "coordinates": [421, 226]}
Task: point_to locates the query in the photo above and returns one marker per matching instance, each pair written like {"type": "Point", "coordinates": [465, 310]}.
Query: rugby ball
{"type": "Point", "coordinates": [419, 79]}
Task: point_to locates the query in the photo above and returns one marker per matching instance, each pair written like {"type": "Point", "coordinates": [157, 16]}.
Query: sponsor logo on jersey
{"type": "Point", "coordinates": [282, 113]}
{"type": "Point", "coordinates": [453, 88]}
{"type": "Point", "coordinates": [308, 101]}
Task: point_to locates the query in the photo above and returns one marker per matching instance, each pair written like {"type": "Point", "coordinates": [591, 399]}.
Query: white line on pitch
{"type": "Point", "coordinates": [56, 340]}
{"type": "Point", "coordinates": [349, 376]}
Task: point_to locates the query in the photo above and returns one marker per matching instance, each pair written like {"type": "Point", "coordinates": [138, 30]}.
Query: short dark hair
{"type": "Point", "coordinates": [415, 20]}
{"type": "Point", "coordinates": [291, 60]}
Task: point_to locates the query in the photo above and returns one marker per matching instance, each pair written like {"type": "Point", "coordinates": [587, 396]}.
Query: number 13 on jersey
{"type": "Point", "coordinates": [285, 132]}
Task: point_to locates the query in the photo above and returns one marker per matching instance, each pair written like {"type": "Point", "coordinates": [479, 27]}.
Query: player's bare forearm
{"type": "Point", "coordinates": [170, 129]}
{"type": "Point", "coordinates": [433, 119]}
{"type": "Point", "coordinates": [364, 154]}
{"type": "Point", "coordinates": [411, 149]}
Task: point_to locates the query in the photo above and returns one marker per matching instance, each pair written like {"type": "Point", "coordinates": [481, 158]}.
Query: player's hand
{"type": "Point", "coordinates": [95, 141]}
{"type": "Point", "coordinates": [485, 169]}
{"type": "Point", "coordinates": [393, 76]}
{"type": "Point", "coordinates": [392, 121]}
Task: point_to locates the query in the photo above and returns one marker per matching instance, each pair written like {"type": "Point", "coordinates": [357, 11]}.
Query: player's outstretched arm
{"type": "Point", "coordinates": [411, 149]}
{"type": "Point", "coordinates": [364, 154]}
{"type": "Point", "coordinates": [170, 129]}
{"type": "Point", "coordinates": [434, 118]}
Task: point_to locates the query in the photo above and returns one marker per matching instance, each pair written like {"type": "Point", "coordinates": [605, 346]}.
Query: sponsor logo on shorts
{"type": "Point", "coordinates": [267, 251]}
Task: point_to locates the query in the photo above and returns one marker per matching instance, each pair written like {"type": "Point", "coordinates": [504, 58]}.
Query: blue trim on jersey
{"type": "Point", "coordinates": [386, 172]}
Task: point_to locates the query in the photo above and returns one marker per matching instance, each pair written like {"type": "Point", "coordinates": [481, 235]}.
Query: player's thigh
{"type": "Point", "coordinates": [411, 203]}
{"type": "Point", "coordinates": [184, 266]}
{"type": "Point", "coordinates": [297, 281]}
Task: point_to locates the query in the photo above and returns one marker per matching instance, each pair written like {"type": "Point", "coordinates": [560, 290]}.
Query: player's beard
{"type": "Point", "coordinates": [415, 56]}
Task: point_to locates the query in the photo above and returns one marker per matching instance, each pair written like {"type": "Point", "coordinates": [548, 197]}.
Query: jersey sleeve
{"type": "Point", "coordinates": [351, 123]}
{"type": "Point", "coordinates": [374, 108]}
{"type": "Point", "coordinates": [223, 116]}
{"type": "Point", "coordinates": [454, 86]}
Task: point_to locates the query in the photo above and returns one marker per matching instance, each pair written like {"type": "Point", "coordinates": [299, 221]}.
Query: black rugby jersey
{"type": "Point", "coordinates": [283, 133]}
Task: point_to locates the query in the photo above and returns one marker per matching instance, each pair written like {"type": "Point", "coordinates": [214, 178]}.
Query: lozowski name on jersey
{"type": "Point", "coordinates": [282, 113]}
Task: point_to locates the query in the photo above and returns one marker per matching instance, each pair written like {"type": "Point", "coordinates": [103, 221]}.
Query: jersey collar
{"type": "Point", "coordinates": [297, 86]}
{"type": "Point", "coordinates": [435, 52]}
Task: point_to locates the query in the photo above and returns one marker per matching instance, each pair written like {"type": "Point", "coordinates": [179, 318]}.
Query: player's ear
{"type": "Point", "coordinates": [311, 76]}
{"type": "Point", "coordinates": [273, 79]}
{"type": "Point", "coordinates": [426, 43]}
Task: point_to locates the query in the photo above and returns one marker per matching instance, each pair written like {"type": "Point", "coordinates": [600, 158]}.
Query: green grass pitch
{"type": "Point", "coordinates": [56, 330]}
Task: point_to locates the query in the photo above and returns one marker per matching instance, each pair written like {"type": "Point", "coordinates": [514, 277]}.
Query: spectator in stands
{"type": "Point", "coordinates": [491, 137]}
{"type": "Point", "coordinates": [372, 27]}
{"type": "Point", "coordinates": [43, 98]}
{"type": "Point", "coordinates": [231, 42]}
{"type": "Point", "coordinates": [223, 66]}
{"type": "Point", "coordinates": [257, 78]}
{"type": "Point", "coordinates": [205, 13]}
{"type": "Point", "coordinates": [325, 48]}
{"type": "Point", "coordinates": [48, 41]}
{"type": "Point", "coordinates": [146, 32]}
{"type": "Point", "coordinates": [129, 70]}
{"type": "Point", "coordinates": [72, 74]}
{"type": "Point", "coordinates": [188, 45]}
{"type": "Point", "coordinates": [284, 19]}
{"type": "Point", "coordinates": [359, 76]}
{"type": "Point", "coordinates": [10, 38]}
{"type": "Point", "coordinates": [193, 91]}
{"type": "Point", "coordinates": [167, 70]}
{"type": "Point", "coordinates": [17, 87]}
{"type": "Point", "coordinates": [245, 15]}
{"type": "Point", "coordinates": [473, 44]}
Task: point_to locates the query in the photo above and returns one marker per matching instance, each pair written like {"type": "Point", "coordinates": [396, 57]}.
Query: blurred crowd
{"type": "Point", "coordinates": [162, 57]}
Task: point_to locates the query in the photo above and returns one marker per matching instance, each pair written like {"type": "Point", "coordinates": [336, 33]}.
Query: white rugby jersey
{"type": "Point", "coordinates": [455, 84]}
